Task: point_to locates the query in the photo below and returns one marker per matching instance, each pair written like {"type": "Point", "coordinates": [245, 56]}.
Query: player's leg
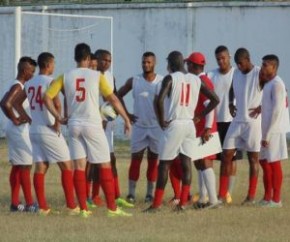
{"type": "Point", "coordinates": [96, 198]}
{"type": "Point", "coordinates": [277, 178]}
{"type": "Point", "coordinates": [39, 184]}
{"type": "Point", "coordinates": [14, 180]}
{"type": "Point", "coordinates": [267, 181]}
{"type": "Point", "coordinates": [88, 181]}
{"type": "Point", "coordinates": [25, 182]}
{"type": "Point", "coordinates": [175, 174]}
{"type": "Point", "coordinates": [200, 198]}
{"type": "Point", "coordinates": [152, 159]}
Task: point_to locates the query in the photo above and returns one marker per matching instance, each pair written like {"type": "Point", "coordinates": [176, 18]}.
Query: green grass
{"type": "Point", "coordinates": [233, 223]}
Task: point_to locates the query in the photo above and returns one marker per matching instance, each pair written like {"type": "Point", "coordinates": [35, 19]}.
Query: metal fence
{"type": "Point", "coordinates": [56, 2]}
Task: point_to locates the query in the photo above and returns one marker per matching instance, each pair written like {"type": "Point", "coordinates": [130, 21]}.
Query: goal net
{"type": "Point", "coordinates": [58, 34]}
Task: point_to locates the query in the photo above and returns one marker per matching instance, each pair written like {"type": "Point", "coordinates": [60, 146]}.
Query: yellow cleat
{"type": "Point", "coordinates": [85, 213]}
{"type": "Point", "coordinates": [118, 213]}
{"type": "Point", "coordinates": [229, 199]}
{"type": "Point", "coordinates": [44, 212]}
{"type": "Point", "coordinates": [73, 211]}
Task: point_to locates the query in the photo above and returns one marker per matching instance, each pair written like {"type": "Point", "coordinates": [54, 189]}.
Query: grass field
{"type": "Point", "coordinates": [231, 223]}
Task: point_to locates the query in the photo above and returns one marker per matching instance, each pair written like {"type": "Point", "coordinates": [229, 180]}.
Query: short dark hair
{"type": "Point", "coordinates": [25, 60]}
{"type": "Point", "coordinates": [221, 48]}
{"type": "Point", "coordinates": [93, 57]}
{"type": "Point", "coordinates": [273, 58]}
{"type": "Point", "coordinates": [242, 53]}
{"type": "Point", "coordinates": [43, 59]}
{"type": "Point", "coordinates": [148, 54]}
{"type": "Point", "coordinates": [82, 52]}
{"type": "Point", "coordinates": [175, 60]}
{"type": "Point", "coordinates": [101, 52]}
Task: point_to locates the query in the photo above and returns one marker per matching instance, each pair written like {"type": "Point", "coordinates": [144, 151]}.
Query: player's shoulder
{"type": "Point", "coordinates": [213, 73]}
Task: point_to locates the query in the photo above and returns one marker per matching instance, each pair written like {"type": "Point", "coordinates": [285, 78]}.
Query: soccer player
{"type": "Point", "coordinates": [146, 131]}
{"type": "Point", "coordinates": [275, 125]}
{"type": "Point", "coordinates": [245, 130]}
{"type": "Point", "coordinates": [48, 144]}
{"type": "Point", "coordinates": [204, 128]}
{"type": "Point", "coordinates": [222, 79]}
{"type": "Point", "coordinates": [175, 107]}
{"type": "Point", "coordinates": [93, 62]}
{"type": "Point", "coordinates": [17, 134]}
{"type": "Point", "coordinates": [87, 141]}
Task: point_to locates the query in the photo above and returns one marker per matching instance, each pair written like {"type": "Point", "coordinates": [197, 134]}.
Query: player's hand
{"type": "Point", "coordinates": [255, 112]}
{"type": "Point", "coordinates": [206, 135]}
{"type": "Point", "coordinates": [127, 128]}
{"type": "Point", "coordinates": [132, 118]}
{"type": "Point", "coordinates": [56, 127]}
{"type": "Point", "coordinates": [196, 119]}
{"type": "Point", "coordinates": [104, 123]}
{"type": "Point", "coordinates": [265, 143]}
{"type": "Point", "coordinates": [233, 110]}
{"type": "Point", "coordinates": [61, 120]}
{"type": "Point", "coordinates": [164, 124]}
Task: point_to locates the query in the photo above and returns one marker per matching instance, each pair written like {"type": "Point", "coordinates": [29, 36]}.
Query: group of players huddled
{"type": "Point", "coordinates": [245, 107]}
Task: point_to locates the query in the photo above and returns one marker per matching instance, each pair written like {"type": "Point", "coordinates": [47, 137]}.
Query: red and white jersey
{"type": "Point", "coordinates": [41, 117]}
{"type": "Point", "coordinates": [143, 94]}
{"type": "Point", "coordinates": [248, 93]}
{"type": "Point", "coordinates": [222, 84]}
{"type": "Point", "coordinates": [81, 87]}
{"type": "Point", "coordinates": [181, 103]}
{"type": "Point", "coordinates": [275, 113]}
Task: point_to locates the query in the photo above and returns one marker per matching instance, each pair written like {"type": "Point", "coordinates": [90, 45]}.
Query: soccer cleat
{"type": "Point", "coordinates": [17, 208]}
{"type": "Point", "coordinates": [118, 213]}
{"type": "Point", "coordinates": [151, 209]}
{"type": "Point", "coordinates": [97, 200]}
{"type": "Point", "coordinates": [178, 209]}
{"type": "Point", "coordinates": [229, 199]}
{"type": "Point", "coordinates": [249, 202]}
{"type": "Point", "coordinates": [123, 203]}
{"type": "Point", "coordinates": [195, 198]}
{"type": "Point", "coordinates": [44, 212]}
{"type": "Point", "coordinates": [199, 205]}
{"type": "Point", "coordinates": [263, 203]}
{"type": "Point", "coordinates": [218, 204]}
{"type": "Point", "coordinates": [85, 213]}
{"type": "Point", "coordinates": [32, 208]}
{"type": "Point", "coordinates": [130, 198]}
{"type": "Point", "coordinates": [273, 204]}
{"type": "Point", "coordinates": [73, 211]}
{"type": "Point", "coordinates": [173, 202]}
{"type": "Point", "coordinates": [90, 203]}
{"type": "Point", "coordinates": [148, 198]}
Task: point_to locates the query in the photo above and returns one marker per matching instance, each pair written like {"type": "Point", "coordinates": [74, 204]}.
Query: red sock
{"type": "Point", "coordinates": [175, 178]}
{"type": "Point", "coordinates": [117, 187]}
{"type": "Point", "coordinates": [158, 198]}
{"type": "Point", "coordinates": [38, 180]}
{"type": "Point", "coordinates": [68, 187]}
{"type": "Point", "coordinates": [224, 184]}
{"type": "Point", "coordinates": [267, 179]}
{"type": "Point", "coordinates": [80, 187]}
{"type": "Point", "coordinates": [15, 184]}
{"type": "Point", "coordinates": [134, 170]}
{"type": "Point", "coordinates": [26, 185]}
{"type": "Point", "coordinates": [107, 183]}
{"type": "Point", "coordinates": [252, 187]}
{"type": "Point", "coordinates": [277, 178]}
{"type": "Point", "coordinates": [184, 194]}
{"type": "Point", "coordinates": [96, 189]}
{"type": "Point", "coordinates": [152, 170]}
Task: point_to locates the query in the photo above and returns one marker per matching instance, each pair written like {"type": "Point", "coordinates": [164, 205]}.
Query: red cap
{"type": "Point", "coordinates": [196, 58]}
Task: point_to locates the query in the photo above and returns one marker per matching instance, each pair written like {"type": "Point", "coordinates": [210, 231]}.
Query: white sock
{"type": "Point", "coordinates": [232, 184]}
{"type": "Point", "coordinates": [209, 180]}
{"type": "Point", "coordinates": [132, 187]}
{"type": "Point", "coordinates": [201, 187]}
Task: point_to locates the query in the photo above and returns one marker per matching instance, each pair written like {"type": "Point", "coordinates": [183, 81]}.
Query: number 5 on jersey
{"type": "Point", "coordinates": [81, 91]}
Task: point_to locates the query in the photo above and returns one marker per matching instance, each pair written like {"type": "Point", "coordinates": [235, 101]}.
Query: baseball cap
{"type": "Point", "coordinates": [196, 58]}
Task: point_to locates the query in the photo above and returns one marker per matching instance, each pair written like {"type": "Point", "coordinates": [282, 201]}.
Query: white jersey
{"type": "Point", "coordinates": [41, 117]}
{"type": "Point", "coordinates": [222, 84]}
{"type": "Point", "coordinates": [181, 103]}
{"type": "Point", "coordinates": [275, 114]}
{"type": "Point", "coordinates": [25, 105]}
{"type": "Point", "coordinates": [143, 94]}
{"type": "Point", "coordinates": [248, 93]}
{"type": "Point", "coordinates": [81, 87]}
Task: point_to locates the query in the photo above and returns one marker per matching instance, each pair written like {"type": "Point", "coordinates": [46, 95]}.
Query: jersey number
{"type": "Point", "coordinates": [185, 94]}
{"type": "Point", "coordinates": [36, 97]}
{"type": "Point", "coordinates": [81, 95]}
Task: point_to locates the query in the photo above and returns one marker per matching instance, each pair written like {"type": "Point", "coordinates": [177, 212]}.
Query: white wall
{"type": "Point", "coordinates": [263, 28]}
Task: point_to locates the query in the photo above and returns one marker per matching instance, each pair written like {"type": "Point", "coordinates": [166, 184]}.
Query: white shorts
{"type": "Point", "coordinates": [19, 145]}
{"type": "Point", "coordinates": [49, 147]}
{"type": "Point", "coordinates": [277, 149]}
{"type": "Point", "coordinates": [88, 142]}
{"type": "Point", "coordinates": [244, 136]}
{"type": "Point", "coordinates": [109, 131]}
{"type": "Point", "coordinates": [179, 137]}
{"type": "Point", "coordinates": [145, 137]}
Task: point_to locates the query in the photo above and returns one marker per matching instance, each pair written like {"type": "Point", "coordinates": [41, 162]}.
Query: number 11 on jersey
{"type": "Point", "coordinates": [185, 94]}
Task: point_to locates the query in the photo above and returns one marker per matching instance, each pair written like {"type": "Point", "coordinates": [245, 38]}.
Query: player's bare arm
{"type": "Point", "coordinates": [7, 104]}
{"type": "Point", "coordinates": [17, 104]}
{"type": "Point", "coordinates": [57, 105]}
{"type": "Point", "coordinates": [115, 102]}
{"type": "Point", "coordinates": [213, 100]}
{"type": "Point", "coordinates": [126, 88]}
{"type": "Point", "coordinates": [165, 91]}
{"type": "Point", "coordinates": [232, 107]}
